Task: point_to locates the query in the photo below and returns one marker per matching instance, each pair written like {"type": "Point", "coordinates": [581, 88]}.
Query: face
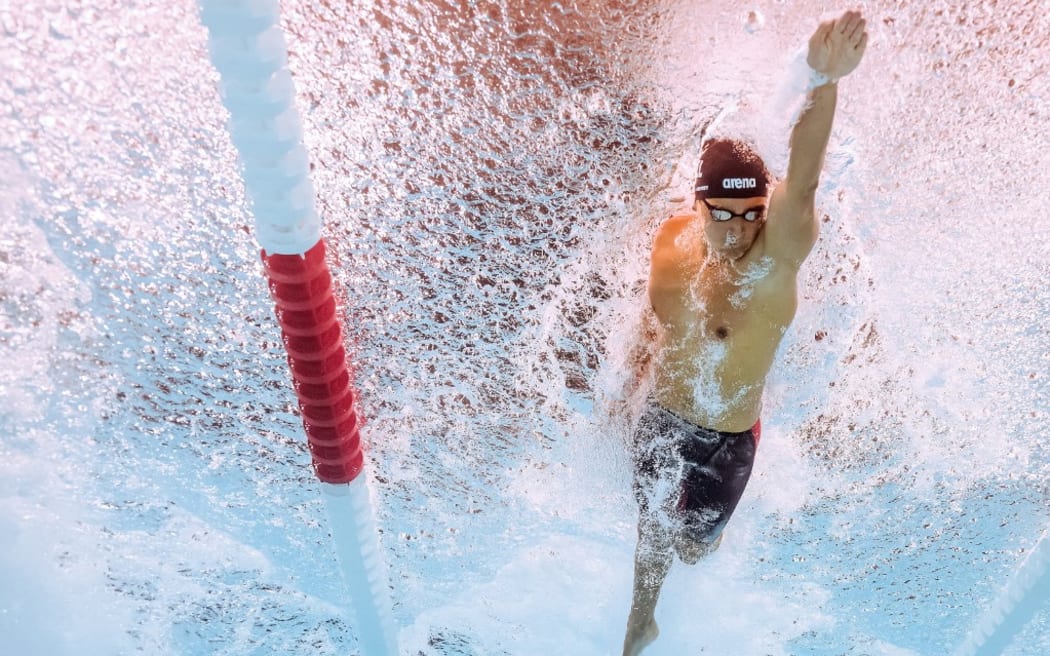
{"type": "Point", "coordinates": [732, 238]}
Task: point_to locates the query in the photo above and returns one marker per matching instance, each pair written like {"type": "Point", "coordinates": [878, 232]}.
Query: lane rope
{"type": "Point", "coordinates": [248, 48]}
{"type": "Point", "coordinates": [1027, 590]}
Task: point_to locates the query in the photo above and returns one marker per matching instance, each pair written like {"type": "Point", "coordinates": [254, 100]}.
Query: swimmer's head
{"type": "Point", "coordinates": [731, 191]}
{"type": "Point", "coordinates": [730, 169]}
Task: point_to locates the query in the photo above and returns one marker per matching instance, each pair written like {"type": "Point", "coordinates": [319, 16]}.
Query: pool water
{"type": "Point", "coordinates": [490, 174]}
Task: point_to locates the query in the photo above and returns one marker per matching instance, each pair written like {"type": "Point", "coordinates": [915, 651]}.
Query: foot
{"type": "Point", "coordinates": [636, 641]}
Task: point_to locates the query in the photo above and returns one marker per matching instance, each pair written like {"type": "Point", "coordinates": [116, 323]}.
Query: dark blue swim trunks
{"type": "Point", "coordinates": [693, 475]}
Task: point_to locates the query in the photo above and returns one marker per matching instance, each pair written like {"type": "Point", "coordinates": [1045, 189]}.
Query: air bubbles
{"type": "Point", "coordinates": [755, 21]}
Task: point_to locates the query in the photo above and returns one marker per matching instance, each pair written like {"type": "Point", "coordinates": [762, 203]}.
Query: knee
{"type": "Point", "coordinates": [690, 550]}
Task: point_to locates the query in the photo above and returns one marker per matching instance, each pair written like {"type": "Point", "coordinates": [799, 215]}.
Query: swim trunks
{"type": "Point", "coordinates": [693, 475]}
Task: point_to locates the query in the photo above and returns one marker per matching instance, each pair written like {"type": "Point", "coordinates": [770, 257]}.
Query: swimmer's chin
{"type": "Point", "coordinates": [734, 252]}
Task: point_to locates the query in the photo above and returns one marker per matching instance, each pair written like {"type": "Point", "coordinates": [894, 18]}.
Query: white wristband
{"type": "Point", "coordinates": [817, 79]}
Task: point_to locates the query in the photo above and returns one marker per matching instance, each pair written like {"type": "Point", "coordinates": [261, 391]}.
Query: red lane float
{"type": "Point", "coordinates": [301, 286]}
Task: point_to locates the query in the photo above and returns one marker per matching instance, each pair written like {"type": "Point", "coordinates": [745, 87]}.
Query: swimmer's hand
{"type": "Point", "coordinates": [837, 46]}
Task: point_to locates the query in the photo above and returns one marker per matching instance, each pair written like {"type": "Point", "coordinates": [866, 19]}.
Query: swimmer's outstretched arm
{"type": "Point", "coordinates": [835, 50]}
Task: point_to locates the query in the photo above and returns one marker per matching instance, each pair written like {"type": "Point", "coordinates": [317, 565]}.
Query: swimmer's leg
{"type": "Point", "coordinates": [652, 560]}
{"type": "Point", "coordinates": [711, 494]}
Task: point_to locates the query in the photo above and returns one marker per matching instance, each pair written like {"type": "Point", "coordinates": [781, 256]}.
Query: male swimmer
{"type": "Point", "coordinates": [722, 286]}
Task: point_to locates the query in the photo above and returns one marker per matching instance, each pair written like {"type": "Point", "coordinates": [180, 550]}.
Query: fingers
{"type": "Point", "coordinates": [858, 31]}
{"type": "Point", "coordinates": [862, 44]}
{"type": "Point", "coordinates": [850, 25]}
{"type": "Point", "coordinates": [824, 30]}
{"type": "Point", "coordinates": [848, 28]}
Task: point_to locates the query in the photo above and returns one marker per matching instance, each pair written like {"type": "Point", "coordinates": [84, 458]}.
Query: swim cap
{"type": "Point", "coordinates": [730, 169]}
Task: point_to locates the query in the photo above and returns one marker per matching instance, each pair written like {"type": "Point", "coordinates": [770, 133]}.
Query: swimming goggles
{"type": "Point", "coordinates": [721, 215]}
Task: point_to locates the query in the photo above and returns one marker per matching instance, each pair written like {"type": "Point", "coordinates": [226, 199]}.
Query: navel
{"type": "Point", "coordinates": [721, 332]}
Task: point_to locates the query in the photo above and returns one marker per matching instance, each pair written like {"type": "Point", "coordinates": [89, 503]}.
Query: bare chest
{"type": "Point", "coordinates": [721, 307]}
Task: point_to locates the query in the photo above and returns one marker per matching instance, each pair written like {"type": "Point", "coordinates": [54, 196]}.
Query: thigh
{"type": "Point", "coordinates": [713, 489]}
{"type": "Point", "coordinates": [655, 456]}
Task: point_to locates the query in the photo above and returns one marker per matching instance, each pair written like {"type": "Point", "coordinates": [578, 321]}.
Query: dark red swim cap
{"type": "Point", "coordinates": [730, 169]}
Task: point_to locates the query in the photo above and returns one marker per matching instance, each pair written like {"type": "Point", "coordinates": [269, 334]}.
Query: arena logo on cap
{"type": "Point", "coordinates": [739, 183]}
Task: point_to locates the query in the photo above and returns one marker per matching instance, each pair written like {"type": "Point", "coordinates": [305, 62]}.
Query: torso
{"type": "Point", "coordinates": [720, 324]}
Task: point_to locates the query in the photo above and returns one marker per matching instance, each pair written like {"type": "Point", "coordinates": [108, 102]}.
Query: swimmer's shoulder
{"type": "Point", "coordinates": [670, 229]}
{"type": "Point", "coordinates": [671, 259]}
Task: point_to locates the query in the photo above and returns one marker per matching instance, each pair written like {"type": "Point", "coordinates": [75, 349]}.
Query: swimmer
{"type": "Point", "coordinates": [692, 453]}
